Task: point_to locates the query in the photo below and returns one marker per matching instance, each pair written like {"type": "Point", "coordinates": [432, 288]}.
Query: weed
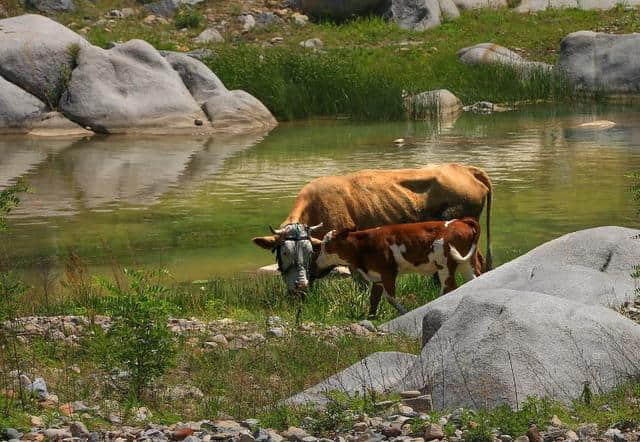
{"type": "Point", "coordinates": [138, 341]}
{"type": "Point", "coordinates": [188, 17]}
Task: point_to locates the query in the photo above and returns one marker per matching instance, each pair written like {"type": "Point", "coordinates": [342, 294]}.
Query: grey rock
{"type": "Point", "coordinates": [299, 19]}
{"type": "Point", "coordinates": [267, 19]}
{"type": "Point", "coordinates": [51, 6]}
{"type": "Point", "coordinates": [79, 429]}
{"type": "Point", "coordinates": [491, 53]}
{"type": "Point", "coordinates": [548, 344]}
{"type": "Point", "coordinates": [368, 325]}
{"type": "Point", "coordinates": [18, 108]}
{"type": "Point", "coordinates": [276, 332]}
{"type": "Point", "coordinates": [313, 43]}
{"type": "Point", "coordinates": [433, 104]}
{"type": "Point", "coordinates": [57, 434]}
{"type": "Point", "coordinates": [35, 55]}
{"type": "Point", "coordinates": [250, 423]}
{"type": "Point", "coordinates": [129, 87]}
{"type": "Point", "coordinates": [209, 35]}
{"type": "Point", "coordinates": [295, 434]}
{"type": "Point", "coordinates": [166, 8]}
{"type": "Point", "coordinates": [587, 431]}
{"type": "Point", "coordinates": [339, 9]}
{"type": "Point", "coordinates": [590, 266]}
{"type": "Point", "coordinates": [480, 4]}
{"type": "Point", "coordinates": [237, 111]}
{"type": "Point", "coordinates": [380, 372]}
{"type": "Point", "coordinates": [191, 439]}
{"type": "Point", "coordinates": [449, 10]}
{"type": "Point", "coordinates": [197, 77]}
{"type": "Point", "coordinates": [422, 403]}
{"type": "Point", "coordinates": [12, 433]}
{"type": "Point", "coordinates": [599, 62]}
{"type": "Point", "coordinates": [202, 54]}
{"type": "Point", "coordinates": [248, 22]}
{"type": "Point", "coordinates": [39, 387]}
{"type": "Point", "coordinates": [415, 15]}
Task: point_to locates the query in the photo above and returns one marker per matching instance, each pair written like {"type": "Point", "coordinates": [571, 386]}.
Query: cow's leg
{"type": "Point", "coordinates": [389, 292]}
{"type": "Point", "coordinates": [449, 277]}
{"type": "Point", "coordinates": [374, 299]}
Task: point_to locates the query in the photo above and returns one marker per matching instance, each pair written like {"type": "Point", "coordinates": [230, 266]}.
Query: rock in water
{"type": "Point", "coordinates": [36, 55]}
{"type": "Point", "coordinates": [128, 87]}
{"type": "Point", "coordinates": [52, 6]}
{"type": "Point", "coordinates": [415, 15]}
{"type": "Point", "coordinates": [599, 62]}
{"type": "Point", "coordinates": [440, 104]}
{"type": "Point", "coordinates": [237, 111]}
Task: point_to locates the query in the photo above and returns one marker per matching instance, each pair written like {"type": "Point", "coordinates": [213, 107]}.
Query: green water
{"type": "Point", "coordinates": [192, 204]}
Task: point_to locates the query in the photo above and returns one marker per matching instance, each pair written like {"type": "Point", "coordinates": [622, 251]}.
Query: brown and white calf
{"type": "Point", "coordinates": [382, 253]}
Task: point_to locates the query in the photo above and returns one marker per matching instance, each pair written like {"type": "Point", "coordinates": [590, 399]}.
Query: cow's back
{"type": "Point", "coordinates": [371, 198]}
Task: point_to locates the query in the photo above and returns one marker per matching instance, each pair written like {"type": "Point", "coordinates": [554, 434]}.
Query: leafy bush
{"type": "Point", "coordinates": [480, 433]}
{"type": "Point", "coordinates": [188, 17]}
{"type": "Point", "coordinates": [138, 340]}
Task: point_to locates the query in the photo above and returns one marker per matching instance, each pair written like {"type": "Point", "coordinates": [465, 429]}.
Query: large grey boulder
{"type": "Point", "coordinates": [237, 112]}
{"type": "Point", "coordinates": [197, 77]}
{"type": "Point", "coordinates": [415, 15]}
{"type": "Point", "coordinates": [449, 10]}
{"type": "Point", "coordinates": [51, 6]}
{"type": "Point", "coordinates": [36, 54]}
{"type": "Point", "coordinates": [590, 266]}
{"type": "Point", "coordinates": [130, 87]}
{"type": "Point", "coordinates": [599, 62]}
{"type": "Point", "coordinates": [166, 8]}
{"type": "Point", "coordinates": [381, 372]}
{"type": "Point", "coordinates": [490, 53]}
{"type": "Point", "coordinates": [501, 346]}
{"type": "Point", "coordinates": [18, 108]}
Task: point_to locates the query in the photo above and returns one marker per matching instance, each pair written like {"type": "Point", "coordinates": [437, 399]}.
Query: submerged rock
{"type": "Point", "coordinates": [439, 103]}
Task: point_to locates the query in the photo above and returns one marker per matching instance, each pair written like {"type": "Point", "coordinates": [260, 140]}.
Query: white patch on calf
{"type": "Point", "coordinates": [446, 223]}
{"type": "Point", "coordinates": [404, 266]}
{"type": "Point", "coordinates": [371, 276]}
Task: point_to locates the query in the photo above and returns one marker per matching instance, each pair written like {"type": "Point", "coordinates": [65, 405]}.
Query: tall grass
{"type": "Point", "coordinates": [368, 83]}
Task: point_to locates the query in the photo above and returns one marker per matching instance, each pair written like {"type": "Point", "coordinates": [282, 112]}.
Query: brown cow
{"type": "Point", "coordinates": [372, 198]}
{"type": "Point", "coordinates": [381, 254]}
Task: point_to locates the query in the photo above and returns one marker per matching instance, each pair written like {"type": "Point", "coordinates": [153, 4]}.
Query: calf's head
{"type": "Point", "coordinates": [293, 247]}
{"type": "Point", "coordinates": [332, 243]}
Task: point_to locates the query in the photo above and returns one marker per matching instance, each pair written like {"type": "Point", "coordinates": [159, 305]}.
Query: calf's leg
{"type": "Point", "coordinates": [389, 292]}
{"type": "Point", "coordinates": [374, 299]}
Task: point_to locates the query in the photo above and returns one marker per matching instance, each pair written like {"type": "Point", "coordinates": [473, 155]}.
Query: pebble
{"type": "Point", "coordinates": [295, 434]}
{"type": "Point", "coordinates": [12, 433]}
{"type": "Point", "coordinates": [78, 429]}
{"type": "Point", "coordinates": [312, 43]}
{"type": "Point", "coordinates": [433, 431]}
{"type": "Point", "coordinates": [276, 332]}
{"type": "Point", "coordinates": [556, 422]}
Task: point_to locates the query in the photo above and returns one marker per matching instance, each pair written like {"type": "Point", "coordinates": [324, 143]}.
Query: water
{"type": "Point", "coordinates": [193, 204]}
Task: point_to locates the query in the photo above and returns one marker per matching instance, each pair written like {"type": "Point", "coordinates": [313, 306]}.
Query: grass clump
{"type": "Point", "coordinates": [138, 340]}
{"type": "Point", "coordinates": [188, 17]}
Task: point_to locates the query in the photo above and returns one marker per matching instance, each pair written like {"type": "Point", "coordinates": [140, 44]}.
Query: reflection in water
{"type": "Point", "coordinates": [205, 198]}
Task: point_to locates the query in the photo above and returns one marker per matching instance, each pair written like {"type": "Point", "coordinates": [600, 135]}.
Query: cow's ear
{"type": "Point", "coordinates": [266, 242]}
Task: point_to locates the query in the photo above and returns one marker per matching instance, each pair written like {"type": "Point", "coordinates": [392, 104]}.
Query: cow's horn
{"type": "Point", "coordinates": [314, 228]}
{"type": "Point", "coordinates": [276, 232]}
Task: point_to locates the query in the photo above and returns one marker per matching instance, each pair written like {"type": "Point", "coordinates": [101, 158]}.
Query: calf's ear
{"type": "Point", "coordinates": [266, 242]}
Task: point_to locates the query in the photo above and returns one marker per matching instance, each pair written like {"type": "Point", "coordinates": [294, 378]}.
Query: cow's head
{"type": "Point", "coordinates": [293, 246]}
{"type": "Point", "coordinates": [331, 244]}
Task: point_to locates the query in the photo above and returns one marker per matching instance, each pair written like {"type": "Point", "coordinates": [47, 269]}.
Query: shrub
{"type": "Point", "coordinates": [188, 17]}
{"type": "Point", "coordinates": [138, 340]}
{"type": "Point", "coordinates": [480, 433]}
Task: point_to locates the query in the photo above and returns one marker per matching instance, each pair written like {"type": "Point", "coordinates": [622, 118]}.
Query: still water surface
{"type": "Point", "coordinates": [192, 204]}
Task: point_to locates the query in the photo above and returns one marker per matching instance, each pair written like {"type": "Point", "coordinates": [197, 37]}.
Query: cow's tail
{"type": "Point", "coordinates": [482, 176]}
{"type": "Point", "coordinates": [458, 257]}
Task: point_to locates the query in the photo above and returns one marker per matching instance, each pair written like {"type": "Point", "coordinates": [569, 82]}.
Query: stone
{"type": "Point", "coordinates": [141, 414]}
{"type": "Point", "coordinates": [556, 422]}
{"type": "Point", "coordinates": [368, 325]}
{"type": "Point", "coordinates": [19, 110]}
{"type": "Point", "coordinates": [267, 19]}
{"type": "Point", "coordinates": [57, 434]}
{"type": "Point", "coordinates": [181, 392]}
{"type": "Point", "coordinates": [248, 22]}
{"type": "Point", "coordinates": [571, 435]}
{"type": "Point", "coordinates": [480, 4]}
{"type": "Point", "coordinates": [166, 8]}
{"type": "Point", "coordinates": [237, 112]}
{"type": "Point", "coordinates": [37, 421]}
{"type": "Point", "coordinates": [422, 403]}
{"type": "Point", "coordinates": [209, 35]}
{"type": "Point", "coordinates": [130, 87]}
{"type": "Point", "coordinates": [55, 124]}
{"type": "Point", "coordinates": [313, 43]}
{"type": "Point", "coordinates": [449, 10]}
{"type": "Point", "coordinates": [52, 6]}
{"type": "Point", "coordinates": [295, 434]}
{"type": "Point", "coordinates": [415, 15]}
{"type": "Point", "coordinates": [39, 388]}
{"type": "Point", "coordinates": [599, 62]}
{"type": "Point", "coordinates": [611, 433]}
{"type": "Point", "coordinates": [36, 55]}
{"type": "Point", "coordinates": [587, 431]}
{"type": "Point", "coordinates": [433, 431]}
{"type": "Point", "coordinates": [522, 439]}
{"type": "Point", "coordinates": [380, 372]}
{"type": "Point", "coordinates": [12, 433]}
{"type": "Point", "coordinates": [490, 53]}
{"type": "Point", "coordinates": [202, 54]}
{"type": "Point", "coordinates": [299, 19]}
{"type": "Point", "coordinates": [78, 429]}
{"type": "Point", "coordinates": [359, 330]}
{"type": "Point", "coordinates": [410, 394]}
{"type": "Point", "coordinates": [276, 332]}
{"type": "Point", "coordinates": [199, 80]}
{"type": "Point", "coordinates": [589, 266]}
{"type": "Point", "coordinates": [433, 104]}
{"type": "Point", "coordinates": [533, 434]}
{"type": "Point", "coordinates": [360, 427]}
